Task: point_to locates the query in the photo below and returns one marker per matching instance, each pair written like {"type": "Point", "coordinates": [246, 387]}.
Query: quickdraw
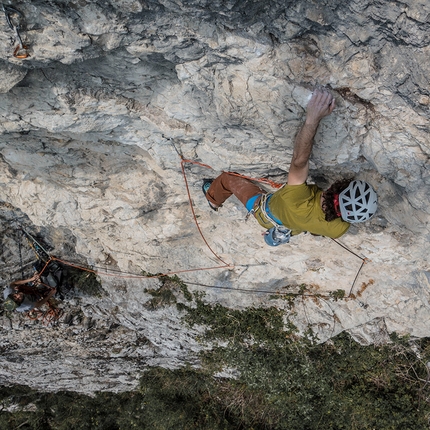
{"type": "Point", "coordinates": [21, 50]}
{"type": "Point", "coordinates": [41, 253]}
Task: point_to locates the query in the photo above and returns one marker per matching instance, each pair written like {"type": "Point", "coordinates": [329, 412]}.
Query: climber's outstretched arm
{"type": "Point", "coordinates": [320, 105]}
{"type": "Point", "coordinates": [44, 300]}
{"type": "Point", "coordinates": [23, 281]}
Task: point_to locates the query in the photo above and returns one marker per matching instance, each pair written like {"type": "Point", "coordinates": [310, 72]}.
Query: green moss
{"type": "Point", "coordinates": [84, 281]}
{"type": "Point", "coordinates": [337, 295]}
{"type": "Point", "coordinates": [162, 296]}
{"type": "Point", "coordinates": [260, 324]}
{"type": "Point", "coordinates": [166, 294]}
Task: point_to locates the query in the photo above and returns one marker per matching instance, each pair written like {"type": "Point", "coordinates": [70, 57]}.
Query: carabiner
{"type": "Point", "coordinates": [21, 51]}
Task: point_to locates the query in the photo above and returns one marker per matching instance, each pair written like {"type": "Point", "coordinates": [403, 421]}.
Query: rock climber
{"type": "Point", "coordinates": [27, 294]}
{"type": "Point", "coordinates": [298, 207]}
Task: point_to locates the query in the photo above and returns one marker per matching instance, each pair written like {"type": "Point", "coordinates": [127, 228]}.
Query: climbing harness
{"type": "Point", "coordinates": [13, 18]}
{"type": "Point", "coordinates": [276, 235]}
{"type": "Point", "coordinates": [273, 184]}
{"type": "Point", "coordinates": [265, 210]}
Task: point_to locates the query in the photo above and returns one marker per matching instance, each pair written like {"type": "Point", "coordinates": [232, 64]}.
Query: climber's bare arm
{"type": "Point", "coordinates": [320, 105]}
{"type": "Point", "coordinates": [24, 281]}
{"type": "Point", "coordinates": [43, 301]}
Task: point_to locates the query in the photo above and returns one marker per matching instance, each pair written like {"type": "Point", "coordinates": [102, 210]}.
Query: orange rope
{"type": "Point", "coordinates": [183, 162]}
{"type": "Point", "coordinates": [273, 184]}
{"type": "Point", "coordinates": [132, 276]}
{"type": "Point", "coordinates": [46, 265]}
{"type": "Point", "coordinates": [194, 214]}
{"type": "Point", "coordinates": [86, 269]}
{"type": "Point", "coordinates": [45, 317]}
{"type": "Point", "coordinates": [115, 275]}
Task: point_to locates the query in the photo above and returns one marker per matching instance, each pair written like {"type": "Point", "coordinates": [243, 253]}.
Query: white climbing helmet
{"type": "Point", "coordinates": [358, 202]}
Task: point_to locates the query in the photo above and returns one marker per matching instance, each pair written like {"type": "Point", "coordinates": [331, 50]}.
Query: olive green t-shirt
{"type": "Point", "coordinates": [299, 209]}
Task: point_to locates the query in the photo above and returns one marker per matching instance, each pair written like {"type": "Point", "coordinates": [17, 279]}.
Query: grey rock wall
{"type": "Point", "coordinates": [90, 127]}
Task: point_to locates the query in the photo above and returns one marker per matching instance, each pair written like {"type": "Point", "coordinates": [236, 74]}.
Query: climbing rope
{"type": "Point", "coordinates": [41, 253]}
{"type": "Point", "coordinates": [186, 161]}
{"type": "Point", "coordinates": [269, 182]}
{"type": "Point", "coordinates": [48, 317]}
{"type": "Point", "coordinates": [44, 256]}
{"type": "Point", "coordinates": [183, 161]}
{"type": "Point", "coordinates": [364, 260]}
{"type": "Point", "coordinates": [120, 274]}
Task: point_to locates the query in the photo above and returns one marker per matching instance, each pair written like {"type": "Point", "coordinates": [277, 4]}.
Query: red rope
{"type": "Point", "coordinates": [225, 265]}
{"type": "Point", "coordinates": [273, 184]}
{"type": "Point", "coordinates": [183, 161]}
{"type": "Point", "coordinates": [115, 275]}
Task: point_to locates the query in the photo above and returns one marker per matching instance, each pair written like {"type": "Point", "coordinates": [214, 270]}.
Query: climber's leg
{"type": "Point", "coordinates": [227, 184]}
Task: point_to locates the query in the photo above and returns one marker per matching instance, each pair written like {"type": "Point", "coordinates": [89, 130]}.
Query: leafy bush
{"type": "Point", "coordinates": [280, 382]}
{"type": "Point", "coordinates": [165, 294]}
{"type": "Point", "coordinates": [286, 383]}
{"type": "Point", "coordinates": [85, 281]}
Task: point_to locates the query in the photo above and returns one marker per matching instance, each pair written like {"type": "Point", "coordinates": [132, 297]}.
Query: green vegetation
{"type": "Point", "coordinates": [85, 281]}
{"type": "Point", "coordinates": [257, 375]}
{"type": "Point", "coordinates": [337, 294]}
{"type": "Point", "coordinates": [165, 294]}
{"type": "Point", "coordinates": [298, 384]}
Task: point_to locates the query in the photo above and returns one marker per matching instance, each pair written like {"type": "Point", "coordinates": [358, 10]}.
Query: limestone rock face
{"type": "Point", "coordinates": [92, 124]}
